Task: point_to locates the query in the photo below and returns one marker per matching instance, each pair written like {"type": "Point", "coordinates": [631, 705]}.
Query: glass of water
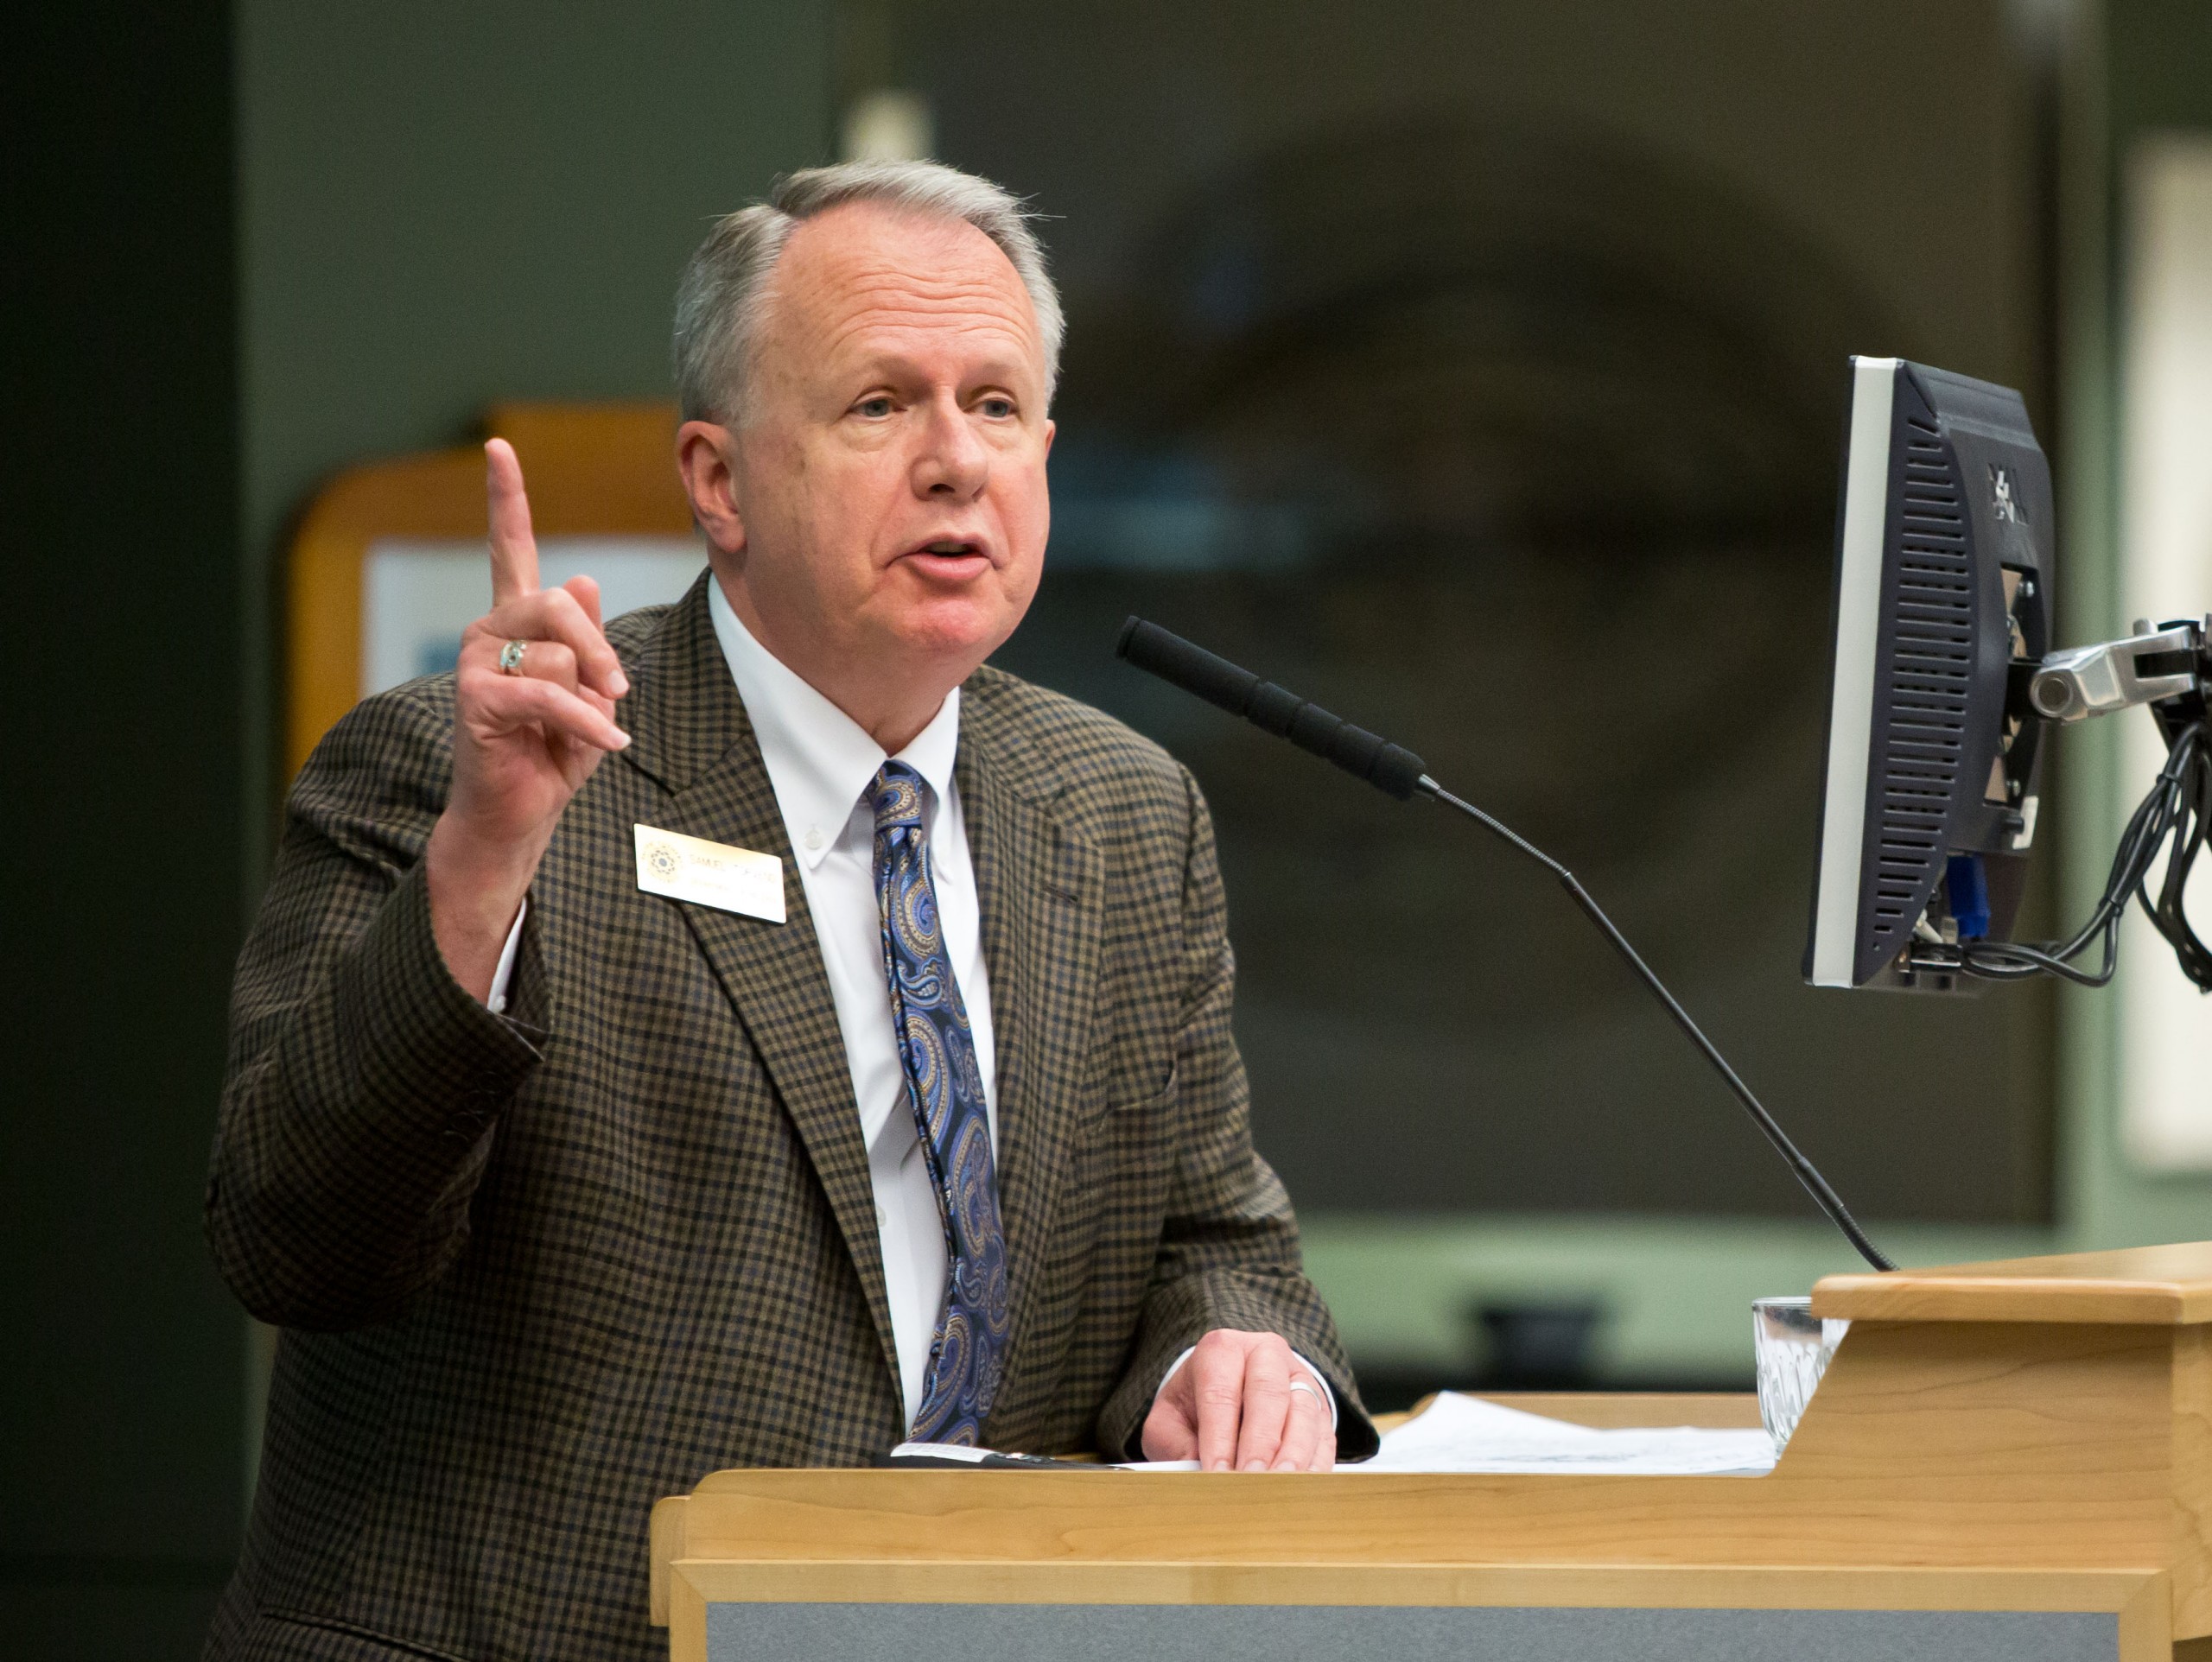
{"type": "Point", "coordinates": [1792, 1347]}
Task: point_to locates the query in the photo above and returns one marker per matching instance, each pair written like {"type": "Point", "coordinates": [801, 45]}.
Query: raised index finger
{"type": "Point", "coordinates": [514, 550]}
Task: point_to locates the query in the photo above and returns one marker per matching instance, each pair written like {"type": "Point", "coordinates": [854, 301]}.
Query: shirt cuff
{"type": "Point", "coordinates": [1321, 1378]}
{"type": "Point", "coordinates": [496, 1003]}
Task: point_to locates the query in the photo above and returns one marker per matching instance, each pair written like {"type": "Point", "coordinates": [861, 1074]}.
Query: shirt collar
{"type": "Point", "coordinates": [819, 760]}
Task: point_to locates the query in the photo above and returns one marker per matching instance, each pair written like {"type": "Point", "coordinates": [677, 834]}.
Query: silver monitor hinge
{"type": "Point", "coordinates": [2152, 665]}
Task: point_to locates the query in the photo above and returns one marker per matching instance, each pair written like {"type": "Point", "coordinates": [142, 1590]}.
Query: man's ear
{"type": "Point", "coordinates": [705, 458]}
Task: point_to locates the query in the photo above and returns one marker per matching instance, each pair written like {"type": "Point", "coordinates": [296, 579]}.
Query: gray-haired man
{"type": "Point", "coordinates": [575, 1168]}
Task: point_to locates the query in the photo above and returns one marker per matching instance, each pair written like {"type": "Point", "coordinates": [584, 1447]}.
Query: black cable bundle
{"type": "Point", "coordinates": [2188, 837]}
{"type": "Point", "coordinates": [2174, 817]}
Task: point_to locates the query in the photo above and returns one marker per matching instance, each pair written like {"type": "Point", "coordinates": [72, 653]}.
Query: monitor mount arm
{"type": "Point", "coordinates": [2168, 667]}
{"type": "Point", "coordinates": [2156, 665]}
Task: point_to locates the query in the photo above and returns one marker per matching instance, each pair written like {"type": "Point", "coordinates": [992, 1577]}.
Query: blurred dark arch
{"type": "Point", "coordinates": [1575, 292]}
{"type": "Point", "coordinates": [1516, 447]}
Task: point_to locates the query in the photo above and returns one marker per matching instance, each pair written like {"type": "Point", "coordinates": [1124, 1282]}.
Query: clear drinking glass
{"type": "Point", "coordinates": [1792, 1347]}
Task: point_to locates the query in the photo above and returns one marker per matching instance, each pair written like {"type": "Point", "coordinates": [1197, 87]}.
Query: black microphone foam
{"type": "Point", "coordinates": [1386, 766]}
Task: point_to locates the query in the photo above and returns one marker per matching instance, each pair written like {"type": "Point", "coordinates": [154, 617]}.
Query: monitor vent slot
{"type": "Point", "coordinates": [1931, 655]}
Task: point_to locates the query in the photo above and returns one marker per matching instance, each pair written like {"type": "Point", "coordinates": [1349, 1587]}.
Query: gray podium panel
{"type": "Point", "coordinates": [1275, 1633]}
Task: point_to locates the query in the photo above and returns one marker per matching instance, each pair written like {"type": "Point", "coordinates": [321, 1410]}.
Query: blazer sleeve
{"type": "Point", "coordinates": [1229, 1253]}
{"type": "Point", "coordinates": [363, 1084]}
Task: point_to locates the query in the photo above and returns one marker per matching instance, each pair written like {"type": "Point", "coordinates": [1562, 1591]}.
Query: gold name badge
{"type": "Point", "coordinates": [709, 873]}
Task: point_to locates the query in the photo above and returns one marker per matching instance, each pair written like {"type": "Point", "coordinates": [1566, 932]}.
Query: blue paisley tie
{"type": "Point", "coordinates": [937, 1050]}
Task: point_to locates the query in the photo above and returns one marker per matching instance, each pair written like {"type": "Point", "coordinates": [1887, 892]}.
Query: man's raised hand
{"type": "Point", "coordinates": [534, 699]}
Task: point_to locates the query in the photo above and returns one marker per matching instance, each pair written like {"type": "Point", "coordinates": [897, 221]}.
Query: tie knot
{"type": "Point", "coordinates": [897, 796]}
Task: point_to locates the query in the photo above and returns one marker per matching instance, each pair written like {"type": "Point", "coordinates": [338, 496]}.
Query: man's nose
{"type": "Point", "coordinates": [951, 462]}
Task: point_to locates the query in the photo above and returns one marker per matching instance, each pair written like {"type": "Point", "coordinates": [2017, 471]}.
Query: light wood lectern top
{"type": "Point", "coordinates": [2005, 1461]}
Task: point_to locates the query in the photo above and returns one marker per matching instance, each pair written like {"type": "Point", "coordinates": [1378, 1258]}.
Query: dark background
{"type": "Point", "coordinates": [245, 247]}
{"type": "Point", "coordinates": [120, 1466]}
{"type": "Point", "coordinates": [1480, 377]}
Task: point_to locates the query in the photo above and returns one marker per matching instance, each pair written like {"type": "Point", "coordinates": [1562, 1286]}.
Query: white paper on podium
{"type": "Point", "coordinates": [1456, 1433]}
{"type": "Point", "coordinates": [1459, 1433]}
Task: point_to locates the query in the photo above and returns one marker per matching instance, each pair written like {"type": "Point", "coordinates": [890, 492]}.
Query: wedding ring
{"type": "Point", "coordinates": [510, 657]}
{"type": "Point", "coordinates": [1306, 1385]}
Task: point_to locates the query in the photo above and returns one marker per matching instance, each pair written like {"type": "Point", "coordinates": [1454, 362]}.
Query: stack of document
{"type": "Point", "coordinates": [1457, 1433]}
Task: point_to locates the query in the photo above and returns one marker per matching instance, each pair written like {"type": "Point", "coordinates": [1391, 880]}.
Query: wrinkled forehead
{"type": "Point", "coordinates": [863, 283]}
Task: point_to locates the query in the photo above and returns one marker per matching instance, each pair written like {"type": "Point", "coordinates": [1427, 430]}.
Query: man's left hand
{"type": "Point", "coordinates": [1242, 1402]}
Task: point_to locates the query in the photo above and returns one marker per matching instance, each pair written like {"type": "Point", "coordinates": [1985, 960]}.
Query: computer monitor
{"type": "Point", "coordinates": [1942, 599]}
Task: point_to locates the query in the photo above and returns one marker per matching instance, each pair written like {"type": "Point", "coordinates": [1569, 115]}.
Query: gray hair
{"type": "Point", "coordinates": [719, 302]}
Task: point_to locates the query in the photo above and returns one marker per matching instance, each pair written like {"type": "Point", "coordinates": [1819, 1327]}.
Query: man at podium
{"type": "Point", "coordinates": [750, 1032]}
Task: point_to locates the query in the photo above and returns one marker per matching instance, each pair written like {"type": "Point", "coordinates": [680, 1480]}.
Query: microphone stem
{"type": "Point", "coordinates": [1815, 1185]}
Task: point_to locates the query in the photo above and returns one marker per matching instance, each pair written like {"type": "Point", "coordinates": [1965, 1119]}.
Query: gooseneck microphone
{"type": "Point", "coordinates": [1397, 772]}
{"type": "Point", "coordinates": [1403, 774]}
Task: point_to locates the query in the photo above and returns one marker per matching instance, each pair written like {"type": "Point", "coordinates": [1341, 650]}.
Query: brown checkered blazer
{"type": "Point", "coordinates": [535, 1272]}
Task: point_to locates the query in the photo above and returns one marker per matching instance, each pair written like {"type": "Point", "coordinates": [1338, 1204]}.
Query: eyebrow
{"type": "Point", "coordinates": [994, 370]}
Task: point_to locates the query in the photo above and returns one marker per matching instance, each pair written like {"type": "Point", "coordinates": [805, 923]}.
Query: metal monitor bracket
{"type": "Point", "coordinates": [2157, 665]}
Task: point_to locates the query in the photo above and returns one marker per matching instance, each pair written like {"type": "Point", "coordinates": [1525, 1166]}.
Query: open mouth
{"type": "Point", "coordinates": [948, 555]}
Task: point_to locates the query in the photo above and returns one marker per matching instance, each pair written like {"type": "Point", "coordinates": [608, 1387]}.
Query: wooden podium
{"type": "Point", "coordinates": [2005, 1461]}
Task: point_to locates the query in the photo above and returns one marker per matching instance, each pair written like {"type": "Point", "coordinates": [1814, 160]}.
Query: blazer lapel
{"type": "Point", "coordinates": [690, 731]}
{"type": "Point", "coordinates": [1039, 886]}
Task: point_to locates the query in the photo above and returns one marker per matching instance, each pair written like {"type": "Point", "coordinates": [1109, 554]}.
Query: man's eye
{"type": "Point", "coordinates": [997, 408]}
{"type": "Point", "coordinates": [874, 408]}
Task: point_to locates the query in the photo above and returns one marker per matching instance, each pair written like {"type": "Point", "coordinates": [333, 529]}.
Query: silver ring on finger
{"type": "Point", "coordinates": [1306, 1385]}
{"type": "Point", "coordinates": [510, 657]}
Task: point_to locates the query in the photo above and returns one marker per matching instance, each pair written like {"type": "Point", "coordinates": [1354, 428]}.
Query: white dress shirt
{"type": "Point", "coordinates": [820, 764]}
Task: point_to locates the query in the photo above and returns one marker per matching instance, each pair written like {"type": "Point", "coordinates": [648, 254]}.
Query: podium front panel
{"type": "Point", "coordinates": [1117, 1633]}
